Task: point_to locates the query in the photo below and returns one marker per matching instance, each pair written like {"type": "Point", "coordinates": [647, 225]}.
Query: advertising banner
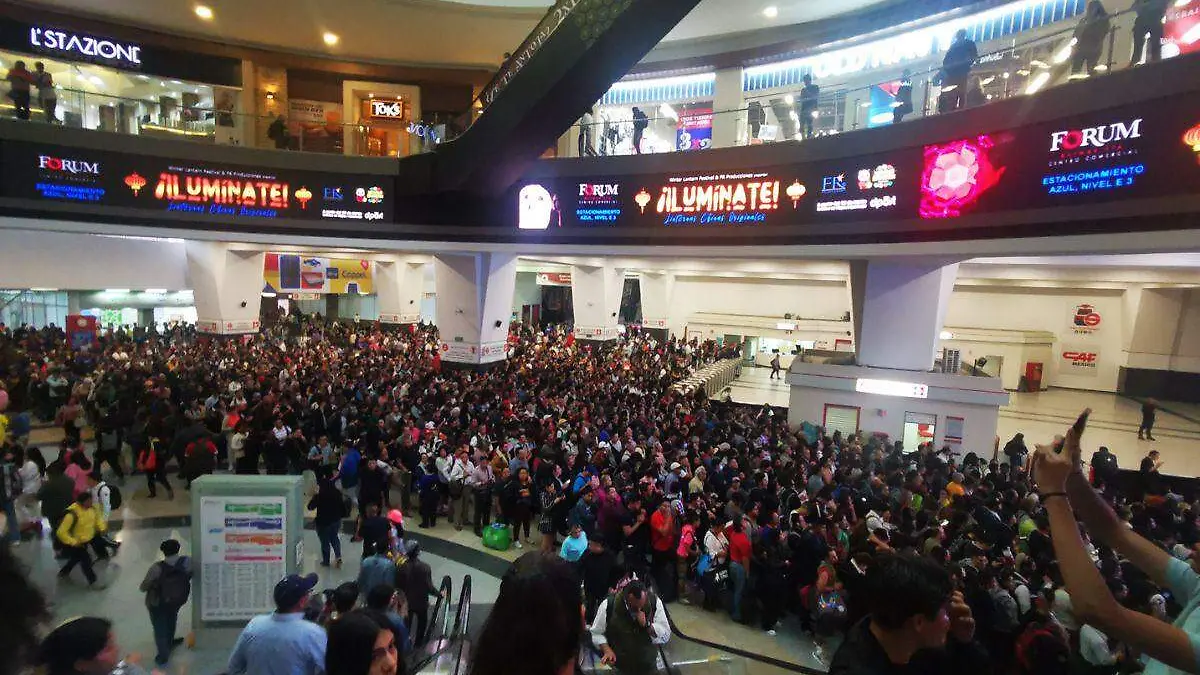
{"type": "Point", "coordinates": [317, 125]}
{"type": "Point", "coordinates": [285, 272]}
{"type": "Point", "coordinates": [553, 278]}
{"type": "Point", "coordinates": [1078, 359]}
{"type": "Point", "coordinates": [244, 542]}
{"type": "Point", "coordinates": [694, 131]}
{"type": "Point", "coordinates": [82, 331]}
{"type": "Point", "coordinates": [1181, 28]}
{"type": "Point", "coordinates": [185, 189]}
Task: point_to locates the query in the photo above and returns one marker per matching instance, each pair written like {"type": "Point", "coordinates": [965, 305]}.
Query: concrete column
{"type": "Point", "coordinates": [73, 304]}
{"type": "Point", "coordinates": [657, 291]}
{"type": "Point", "coordinates": [899, 308]}
{"type": "Point", "coordinates": [227, 284]}
{"type": "Point", "coordinates": [727, 96]}
{"type": "Point", "coordinates": [474, 305]}
{"type": "Point", "coordinates": [146, 316]}
{"type": "Point", "coordinates": [596, 295]}
{"type": "Point", "coordinates": [399, 285]}
{"type": "Point", "coordinates": [1152, 326]}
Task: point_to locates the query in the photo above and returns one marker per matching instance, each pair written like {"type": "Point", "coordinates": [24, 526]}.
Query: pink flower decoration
{"type": "Point", "coordinates": [955, 176]}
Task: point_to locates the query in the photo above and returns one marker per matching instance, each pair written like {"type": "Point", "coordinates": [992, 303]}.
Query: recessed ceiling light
{"type": "Point", "coordinates": [204, 12]}
{"type": "Point", "coordinates": [771, 12]}
{"type": "Point", "coordinates": [331, 39]}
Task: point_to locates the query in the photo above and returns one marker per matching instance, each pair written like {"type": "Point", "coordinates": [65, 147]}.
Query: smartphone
{"type": "Point", "coordinates": [1078, 427]}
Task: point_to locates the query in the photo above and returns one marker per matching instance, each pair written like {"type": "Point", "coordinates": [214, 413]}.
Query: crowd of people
{"type": "Point", "coordinates": [656, 495]}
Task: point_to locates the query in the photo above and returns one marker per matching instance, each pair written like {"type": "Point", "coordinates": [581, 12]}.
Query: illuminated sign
{"type": "Point", "coordinates": [85, 47]}
{"type": "Point", "coordinates": [879, 178]}
{"type": "Point", "coordinates": [833, 184]}
{"type": "Point", "coordinates": [700, 200]}
{"type": "Point", "coordinates": [598, 203]}
{"type": "Point", "coordinates": [186, 189]}
{"type": "Point", "coordinates": [387, 110]}
{"type": "Point", "coordinates": [891, 388]}
{"type": "Point", "coordinates": [956, 175]}
{"type": "Point", "coordinates": [1191, 138]}
{"type": "Point", "coordinates": [1097, 179]}
{"type": "Point", "coordinates": [1095, 137]}
{"type": "Point", "coordinates": [537, 208]}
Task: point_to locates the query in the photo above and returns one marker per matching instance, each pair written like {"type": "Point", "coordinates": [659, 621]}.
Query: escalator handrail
{"type": "Point", "coordinates": [559, 10]}
{"type": "Point", "coordinates": [445, 589]}
{"type": "Point", "coordinates": [760, 658]}
{"type": "Point", "coordinates": [426, 660]}
{"type": "Point", "coordinates": [462, 616]}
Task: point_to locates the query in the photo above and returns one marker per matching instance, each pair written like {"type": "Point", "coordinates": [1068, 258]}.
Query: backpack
{"type": "Point", "coordinates": [114, 495]}
{"type": "Point", "coordinates": [11, 484]}
{"type": "Point", "coordinates": [148, 460]}
{"type": "Point", "coordinates": [174, 585]}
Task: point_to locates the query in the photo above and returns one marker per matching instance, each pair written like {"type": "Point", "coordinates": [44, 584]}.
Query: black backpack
{"type": "Point", "coordinates": [174, 585]}
{"type": "Point", "coordinates": [114, 495]}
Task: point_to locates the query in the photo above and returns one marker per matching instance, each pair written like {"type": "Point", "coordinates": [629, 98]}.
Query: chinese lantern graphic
{"type": "Point", "coordinates": [642, 199]}
{"type": "Point", "coordinates": [796, 190]}
{"type": "Point", "coordinates": [302, 196]}
{"type": "Point", "coordinates": [1191, 138]}
{"type": "Point", "coordinates": [135, 182]}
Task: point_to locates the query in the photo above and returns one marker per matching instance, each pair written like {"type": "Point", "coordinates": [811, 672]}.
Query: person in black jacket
{"type": "Point", "coordinates": [417, 584]}
{"type": "Point", "coordinates": [956, 68]}
{"type": "Point", "coordinates": [1148, 19]}
{"type": "Point", "coordinates": [330, 505]}
{"type": "Point", "coordinates": [917, 623]}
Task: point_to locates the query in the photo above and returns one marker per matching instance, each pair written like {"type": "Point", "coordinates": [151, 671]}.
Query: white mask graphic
{"type": "Point", "coordinates": [535, 208]}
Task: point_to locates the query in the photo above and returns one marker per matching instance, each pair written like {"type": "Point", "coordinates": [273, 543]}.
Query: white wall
{"type": "Point", "coordinates": [527, 292]}
{"type": "Point", "coordinates": [30, 259]}
{"type": "Point", "coordinates": [886, 414]}
{"type": "Point", "coordinates": [807, 299]}
{"type": "Point", "coordinates": [1049, 310]}
{"type": "Point", "coordinates": [1187, 343]}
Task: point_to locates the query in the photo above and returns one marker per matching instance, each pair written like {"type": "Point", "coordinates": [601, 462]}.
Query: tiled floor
{"type": "Point", "coordinates": [1114, 421]}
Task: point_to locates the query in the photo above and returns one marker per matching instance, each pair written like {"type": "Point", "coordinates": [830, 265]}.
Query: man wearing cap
{"type": "Point", "coordinates": [282, 643]}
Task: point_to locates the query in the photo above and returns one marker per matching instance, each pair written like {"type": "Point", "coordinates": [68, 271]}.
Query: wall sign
{"type": "Point", "coordinates": [1085, 320]}
{"type": "Point", "coordinates": [285, 272]}
{"type": "Point", "coordinates": [393, 110]}
{"type": "Point", "coordinates": [84, 47]}
{"type": "Point", "coordinates": [1078, 360]}
{"type": "Point", "coordinates": [193, 190]}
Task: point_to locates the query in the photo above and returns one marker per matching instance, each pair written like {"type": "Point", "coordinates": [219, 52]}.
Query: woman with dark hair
{"type": "Point", "coordinates": [536, 625]}
{"type": "Point", "coordinates": [362, 643]}
{"type": "Point", "coordinates": [84, 646]}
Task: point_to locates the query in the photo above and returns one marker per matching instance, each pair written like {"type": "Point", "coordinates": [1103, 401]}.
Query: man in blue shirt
{"type": "Point", "coordinates": [376, 570]}
{"type": "Point", "coordinates": [282, 643]}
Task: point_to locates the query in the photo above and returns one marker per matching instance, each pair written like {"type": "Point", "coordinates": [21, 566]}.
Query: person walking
{"type": "Point", "coordinates": [57, 494]}
{"type": "Point", "coordinates": [153, 462]}
{"type": "Point", "coordinates": [418, 588]}
{"type": "Point", "coordinates": [1145, 431]}
{"type": "Point", "coordinates": [78, 530]}
{"type": "Point", "coordinates": [776, 367]}
{"type": "Point", "coordinates": [10, 492]}
{"type": "Point", "coordinates": [1089, 39]}
{"type": "Point", "coordinates": [168, 585]}
{"type": "Point", "coordinates": [330, 505]}
{"type": "Point", "coordinates": [282, 642]}
{"type": "Point", "coordinates": [640, 123]}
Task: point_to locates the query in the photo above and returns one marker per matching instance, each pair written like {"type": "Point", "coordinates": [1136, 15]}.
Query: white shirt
{"type": "Point", "coordinates": [714, 544]}
{"type": "Point", "coordinates": [660, 630]}
{"type": "Point", "coordinates": [102, 493]}
{"type": "Point", "coordinates": [1024, 602]}
{"type": "Point", "coordinates": [1093, 647]}
{"type": "Point", "coordinates": [31, 478]}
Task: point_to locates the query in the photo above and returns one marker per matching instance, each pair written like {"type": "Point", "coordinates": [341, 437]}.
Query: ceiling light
{"type": "Point", "coordinates": [156, 291]}
{"type": "Point", "coordinates": [789, 99]}
{"type": "Point", "coordinates": [204, 12]}
{"type": "Point", "coordinates": [116, 290]}
{"type": "Point", "coordinates": [330, 39]}
{"type": "Point", "coordinates": [771, 12]}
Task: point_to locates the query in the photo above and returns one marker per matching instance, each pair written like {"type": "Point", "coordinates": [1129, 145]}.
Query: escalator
{"type": "Point", "coordinates": [447, 651]}
{"type": "Point", "coordinates": [567, 64]}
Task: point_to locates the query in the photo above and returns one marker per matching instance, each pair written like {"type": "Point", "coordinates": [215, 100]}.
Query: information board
{"type": "Point", "coordinates": [244, 555]}
{"type": "Point", "coordinates": [207, 190]}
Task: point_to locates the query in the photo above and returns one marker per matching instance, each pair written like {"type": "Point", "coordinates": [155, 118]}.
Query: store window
{"type": "Point", "coordinates": [91, 96]}
{"type": "Point", "coordinates": [919, 428]}
{"type": "Point", "coordinates": [33, 308]}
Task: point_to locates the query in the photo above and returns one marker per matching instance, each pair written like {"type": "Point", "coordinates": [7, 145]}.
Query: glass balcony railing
{"type": "Point", "coordinates": [1025, 68]}
{"type": "Point", "coordinates": [166, 118]}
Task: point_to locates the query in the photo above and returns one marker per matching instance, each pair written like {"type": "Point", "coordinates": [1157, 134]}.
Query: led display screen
{"type": "Point", "coordinates": [1149, 150]}
{"type": "Point", "coordinates": [50, 173]}
{"type": "Point", "coordinates": [867, 188]}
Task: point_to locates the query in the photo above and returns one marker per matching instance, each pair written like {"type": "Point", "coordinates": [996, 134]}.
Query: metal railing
{"type": "Point", "coordinates": [712, 378]}
{"type": "Point", "coordinates": [1020, 68]}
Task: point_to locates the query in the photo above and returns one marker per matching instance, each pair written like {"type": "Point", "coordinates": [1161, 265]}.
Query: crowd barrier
{"type": "Point", "coordinates": [712, 378]}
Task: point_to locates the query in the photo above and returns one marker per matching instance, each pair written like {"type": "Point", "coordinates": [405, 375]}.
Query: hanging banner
{"type": "Point", "coordinates": [287, 272]}
{"type": "Point", "coordinates": [553, 278]}
{"type": "Point", "coordinates": [694, 131]}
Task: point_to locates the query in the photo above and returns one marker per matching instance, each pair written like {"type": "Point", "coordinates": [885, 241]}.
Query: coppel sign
{"type": "Point", "coordinates": [83, 47]}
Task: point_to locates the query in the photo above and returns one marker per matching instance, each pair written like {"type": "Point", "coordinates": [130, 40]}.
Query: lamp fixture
{"type": "Point", "coordinates": [330, 39]}
{"type": "Point", "coordinates": [204, 12]}
{"type": "Point", "coordinates": [771, 11]}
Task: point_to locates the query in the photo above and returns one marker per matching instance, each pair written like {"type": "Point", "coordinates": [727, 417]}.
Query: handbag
{"type": "Point", "coordinates": [703, 563]}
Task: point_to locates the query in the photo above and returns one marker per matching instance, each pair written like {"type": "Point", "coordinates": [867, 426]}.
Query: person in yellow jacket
{"type": "Point", "coordinates": [79, 529]}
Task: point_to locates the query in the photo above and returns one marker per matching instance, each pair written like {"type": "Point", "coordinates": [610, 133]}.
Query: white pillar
{"type": "Point", "coordinates": [474, 305]}
{"type": "Point", "coordinates": [228, 287]}
{"type": "Point", "coordinates": [657, 292]}
{"type": "Point", "coordinates": [596, 295]}
{"type": "Point", "coordinates": [399, 287]}
{"type": "Point", "coordinates": [727, 97]}
{"type": "Point", "coordinates": [899, 309]}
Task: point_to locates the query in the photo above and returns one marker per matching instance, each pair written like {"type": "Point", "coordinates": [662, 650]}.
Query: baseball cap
{"type": "Point", "coordinates": [396, 516]}
{"type": "Point", "coordinates": [675, 465]}
{"type": "Point", "coordinates": [293, 588]}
